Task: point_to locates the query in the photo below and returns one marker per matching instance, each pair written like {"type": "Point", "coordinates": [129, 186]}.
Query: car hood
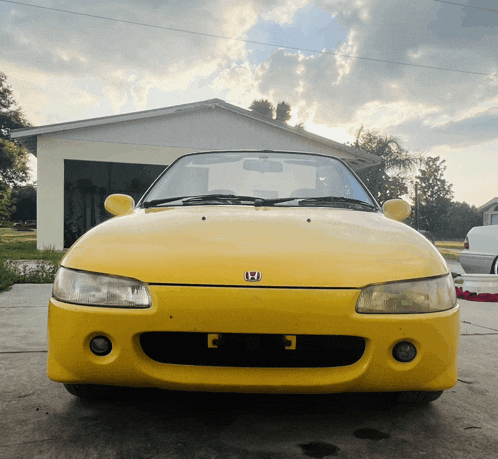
{"type": "Point", "coordinates": [291, 247]}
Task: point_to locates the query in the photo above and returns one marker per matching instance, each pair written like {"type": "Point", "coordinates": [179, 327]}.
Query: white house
{"type": "Point", "coordinates": [490, 209]}
{"type": "Point", "coordinates": [81, 162]}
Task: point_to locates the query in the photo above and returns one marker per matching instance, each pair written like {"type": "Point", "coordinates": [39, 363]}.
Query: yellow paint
{"type": "Point", "coordinates": [119, 204]}
{"type": "Point", "coordinates": [291, 339]}
{"type": "Point", "coordinates": [281, 311]}
{"type": "Point", "coordinates": [203, 252]}
{"type": "Point", "coordinates": [397, 209]}
{"type": "Point", "coordinates": [338, 248]}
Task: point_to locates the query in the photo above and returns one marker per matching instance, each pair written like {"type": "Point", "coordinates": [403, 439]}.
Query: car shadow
{"type": "Point", "coordinates": [164, 401]}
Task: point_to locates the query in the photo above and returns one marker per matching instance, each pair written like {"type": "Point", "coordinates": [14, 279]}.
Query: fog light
{"type": "Point", "coordinates": [100, 345]}
{"type": "Point", "coordinates": [404, 351]}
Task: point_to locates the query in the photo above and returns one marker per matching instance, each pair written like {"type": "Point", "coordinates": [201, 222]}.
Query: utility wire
{"type": "Point", "coordinates": [468, 6]}
{"type": "Point", "coordinates": [247, 41]}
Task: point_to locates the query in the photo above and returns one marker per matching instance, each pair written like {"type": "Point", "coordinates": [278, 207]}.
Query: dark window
{"type": "Point", "coordinates": [88, 183]}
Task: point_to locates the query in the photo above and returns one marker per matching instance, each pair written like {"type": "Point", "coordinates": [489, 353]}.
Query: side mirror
{"type": "Point", "coordinates": [396, 209]}
{"type": "Point", "coordinates": [119, 204]}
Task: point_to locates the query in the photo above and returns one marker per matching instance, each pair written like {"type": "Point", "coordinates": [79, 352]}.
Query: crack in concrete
{"type": "Point", "coordinates": [479, 334]}
{"type": "Point", "coordinates": [22, 352]}
{"type": "Point", "coordinates": [480, 326]}
{"type": "Point", "coordinates": [17, 307]}
{"type": "Point", "coordinates": [27, 442]}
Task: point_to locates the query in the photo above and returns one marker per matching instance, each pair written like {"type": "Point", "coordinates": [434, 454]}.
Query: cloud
{"type": "Point", "coordinates": [429, 107]}
{"type": "Point", "coordinates": [124, 61]}
{"type": "Point", "coordinates": [66, 67]}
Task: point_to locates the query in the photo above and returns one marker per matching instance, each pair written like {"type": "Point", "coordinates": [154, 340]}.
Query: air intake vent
{"type": "Point", "coordinates": [252, 350]}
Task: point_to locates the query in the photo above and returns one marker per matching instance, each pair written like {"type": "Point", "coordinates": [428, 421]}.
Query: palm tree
{"type": "Point", "coordinates": [280, 113]}
{"type": "Point", "coordinates": [389, 179]}
{"type": "Point", "coordinates": [263, 107]}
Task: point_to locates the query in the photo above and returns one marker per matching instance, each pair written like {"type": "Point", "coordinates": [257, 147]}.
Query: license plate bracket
{"type": "Point", "coordinates": [248, 342]}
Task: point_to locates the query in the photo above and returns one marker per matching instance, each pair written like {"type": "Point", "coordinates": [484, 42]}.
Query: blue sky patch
{"type": "Point", "coordinates": [311, 28]}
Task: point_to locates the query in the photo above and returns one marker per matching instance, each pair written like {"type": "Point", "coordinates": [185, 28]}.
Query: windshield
{"type": "Point", "coordinates": [265, 175]}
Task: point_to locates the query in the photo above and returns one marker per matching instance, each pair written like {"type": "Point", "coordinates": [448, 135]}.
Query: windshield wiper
{"type": "Point", "coordinates": [270, 202]}
{"type": "Point", "coordinates": [157, 202]}
{"type": "Point", "coordinates": [347, 202]}
{"type": "Point", "coordinates": [235, 199]}
{"type": "Point", "coordinates": [217, 198]}
{"type": "Point", "coordinates": [202, 198]}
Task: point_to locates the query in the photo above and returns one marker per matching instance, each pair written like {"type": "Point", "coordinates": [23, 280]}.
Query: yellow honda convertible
{"type": "Point", "coordinates": [255, 271]}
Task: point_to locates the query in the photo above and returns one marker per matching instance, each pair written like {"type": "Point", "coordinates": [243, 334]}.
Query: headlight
{"type": "Point", "coordinates": [92, 289]}
{"type": "Point", "coordinates": [408, 297]}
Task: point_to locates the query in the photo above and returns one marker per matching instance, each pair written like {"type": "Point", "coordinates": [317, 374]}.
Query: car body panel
{"type": "Point", "coordinates": [476, 262]}
{"type": "Point", "coordinates": [253, 310]}
{"type": "Point", "coordinates": [312, 262]}
{"type": "Point", "coordinates": [336, 248]}
{"type": "Point", "coordinates": [482, 251]}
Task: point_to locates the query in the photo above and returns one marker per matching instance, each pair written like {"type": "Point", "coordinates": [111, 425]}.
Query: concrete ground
{"type": "Point", "coordinates": [39, 419]}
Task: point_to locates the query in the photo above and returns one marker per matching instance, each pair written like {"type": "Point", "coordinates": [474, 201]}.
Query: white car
{"type": "Point", "coordinates": [480, 254]}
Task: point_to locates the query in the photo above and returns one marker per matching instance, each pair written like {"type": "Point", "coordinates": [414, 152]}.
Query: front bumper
{"type": "Point", "coordinates": [254, 311]}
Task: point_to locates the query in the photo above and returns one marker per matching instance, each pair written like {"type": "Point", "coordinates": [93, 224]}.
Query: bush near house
{"type": "Point", "coordinates": [15, 246]}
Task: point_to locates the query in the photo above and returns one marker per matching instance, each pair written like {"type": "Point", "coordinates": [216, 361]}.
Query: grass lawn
{"type": "Point", "coordinates": [21, 245]}
{"type": "Point", "coordinates": [450, 254]}
{"type": "Point", "coordinates": [449, 245]}
{"type": "Point", "coordinates": [450, 249]}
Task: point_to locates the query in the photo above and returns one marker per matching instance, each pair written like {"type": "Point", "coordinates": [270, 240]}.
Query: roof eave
{"type": "Point", "coordinates": [489, 203]}
{"type": "Point", "coordinates": [28, 136]}
{"type": "Point", "coordinates": [362, 159]}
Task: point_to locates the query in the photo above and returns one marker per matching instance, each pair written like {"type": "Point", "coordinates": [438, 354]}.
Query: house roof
{"type": "Point", "coordinates": [28, 136]}
{"type": "Point", "coordinates": [490, 203]}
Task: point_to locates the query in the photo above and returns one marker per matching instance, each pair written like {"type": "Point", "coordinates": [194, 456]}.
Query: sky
{"type": "Point", "coordinates": [425, 72]}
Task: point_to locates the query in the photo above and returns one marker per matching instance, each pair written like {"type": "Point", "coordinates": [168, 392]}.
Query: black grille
{"type": "Point", "coordinates": [250, 350]}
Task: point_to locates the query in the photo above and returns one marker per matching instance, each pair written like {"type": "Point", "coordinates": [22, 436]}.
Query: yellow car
{"type": "Point", "coordinates": [255, 271]}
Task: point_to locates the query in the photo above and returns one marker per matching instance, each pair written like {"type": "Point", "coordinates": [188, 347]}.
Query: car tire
{"type": "Point", "coordinates": [418, 397]}
{"type": "Point", "coordinates": [89, 391]}
{"type": "Point", "coordinates": [494, 268]}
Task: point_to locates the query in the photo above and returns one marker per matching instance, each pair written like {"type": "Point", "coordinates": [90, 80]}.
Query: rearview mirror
{"type": "Point", "coordinates": [262, 165]}
{"type": "Point", "coordinates": [119, 204]}
{"type": "Point", "coordinates": [396, 209]}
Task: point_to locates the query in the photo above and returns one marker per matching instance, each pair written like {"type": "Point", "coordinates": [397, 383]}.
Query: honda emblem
{"type": "Point", "coordinates": [252, 276]}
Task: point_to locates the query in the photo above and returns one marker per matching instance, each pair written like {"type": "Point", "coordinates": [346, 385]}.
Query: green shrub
{"type": "Point", "coordinates": [43, 272]}
{"type": "Point", "coordinates": [7, 277]}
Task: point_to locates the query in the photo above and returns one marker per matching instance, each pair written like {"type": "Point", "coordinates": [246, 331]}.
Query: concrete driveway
{"type": "Point", "coordinates": [39, 419]}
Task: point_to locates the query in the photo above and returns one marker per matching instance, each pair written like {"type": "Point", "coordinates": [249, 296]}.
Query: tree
{"type": "Point", "coordinates": [6, 203]}
{"type": "Point", "coordinates": [11, 116]}
{"type": "Point", "coordinates": [13, 164]}
{"type": "Point", "coordinates": [13, 158]}
{"type": "Point", "coordinates": [435, 195]}
{"type": "Point", "coordinates": [459, 220]}
{"type": "Point", "coordinates": [389, 179]}
{"type": "Point", "coordinates": [25, 202]}
{"type": "Point", "coordinates": [263, 107]}
{"type": "Point", "coordinates": [280, 113]}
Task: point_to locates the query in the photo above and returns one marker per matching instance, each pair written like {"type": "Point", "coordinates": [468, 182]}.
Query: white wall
{"type": "Point", "coordinates": [50, 185]}
{"type": "Point", "coordinates": [206, 129]}
{"type": "Point", "coordinates": [490, 217]}
{"type": "Point", "coordinates": [151, 141]}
